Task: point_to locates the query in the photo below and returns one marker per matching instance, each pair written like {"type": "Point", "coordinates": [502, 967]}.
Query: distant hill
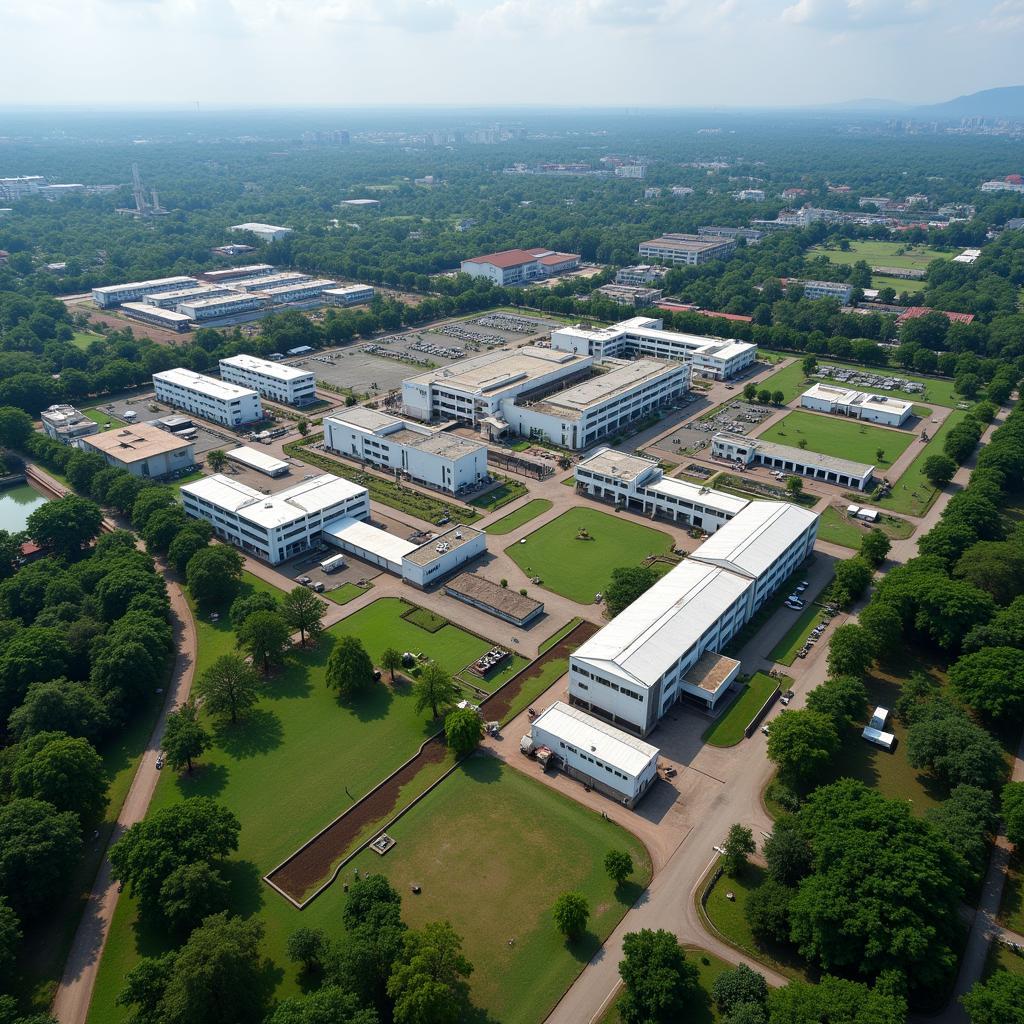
{"type": "Point", "coordinates": [1005, 102]}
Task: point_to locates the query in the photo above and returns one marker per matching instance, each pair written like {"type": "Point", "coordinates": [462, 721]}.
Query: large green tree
{"type": "Point", "coordinates": [463, 730]}
{"type": "Point", "coordinates": [229, 687]}
{"type": "Point", "coordinates": [66, 525]}
{"type": "Point", "coordinates": [213, 574]}
{"type": "Point", "coordinates": [434, 689]}
{"type": "Point", "coordinates": [1000, 1000]}
{"type": "Point", "coordinates": [659, 982]}
{"type": "Point", "coordinates": [349, 669]}
{"type": "Point", "coordinates": [303, 612]}
{"type": "Point", "coordinates": [265, 636]}
{"type": "Point", "coordinates": [185, 739]}
{"type": "Point", "coordinates": [1012, 806]}
{"type": "Point", "coordinates": [851, 650]}
{"type": "Point", "coordinates": [991, 680]}
{"type": "Point", "coordinates": [571, 913]}
{"type": "Point", "coordinates": [428, 984]}
{"type": "Point", "coordinates": [802, 744]}
{"type": "Point", "coordinates": [64, 771]}
{"type": "Point", "coordinates": [39, 848]}
{"type": "Point", "coordinates": [626, 585]}
{"type": "Point", "coordinates": [835, 1001]}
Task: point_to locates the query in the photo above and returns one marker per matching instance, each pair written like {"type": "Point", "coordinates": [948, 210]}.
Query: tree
{"type": "Point", "coordinates": [66, 525]}
{"type": "Point", "coordinates": [192, 892]}
{"type": "Point", "coordinates": [303, 426]}
{"type": "Point", "coordinates": [327, 1005]}
{"type": "Point", "coordinates": [213, 574]}
{"type": "Point", "coordinates": [257, 601]}
{"type": "Point", "coordinates": [942, 740]}
{"type": "Point", "coordinates": [801, 744]}
{"type": "Point", "coordinates": [768, 915]}
{"type": "Point", "coordinates": [659, 981]}
{"type": "Point", "coordinates": [874, 546]}
{"type": "Point", "coordinates": [786, 852]}
{"type": "Point", "coordinates": [739, 845]}
{"type": "Point", "coordinates": [215, 978]}
{"type": "Point", "coordinates": [391, 660]}
{"type": "Point", "coordinates": [884, 627]}
{"type": "Point", "coordinates": [571, 914]}
{"type": "Point", "coordinates": [39, 848]}
{"type": "Point", "coordinates": [764, 396]}
{"type": "Point", "coordinates": [265, 635]}
{"type": "Point", "coordinates": [994, 566]}
{"type": "Point", "coordinates": [794, 487]}
{"type": "Point", "coordinates": [948, 609]}
{"type": "Point", "coordinates": [306, 947]}
{"type": "Point", "coordinates": [10, 941]}
{"type": "Point", "coordinates": [1013, 812]}
{"type": "Point", "coordinates": [60, 706]}
{"type": "Point", "coordinates": [148, 501]}
{"type": "Point", "coordinates": [853, 575]}
{"type": "Point", "coordinates": [15, 427]}
{"type": "Point", "coordinates": [750, 391]}
{"type": "Point", "coordinates": [618, 866]}
{"type": "Point", "coordinates": [939, 469]}
{"type": "Point", "coordinates": [33, 655]}
{"type": "Point", "coordinates": [463, 730]}
{"type": "Point", "coordinates": [738, 985]}
{"type": "Point", "coordinates": [1000, 1000]}
{"type": "Point", "coordinates": [991, 680]}
{"type": "Point", "coordinates": [64, 771]}
{"type": "Point", "coordinates": [349, 669]}
{"type": "Point", "coordinates": [302, 611]}
{"type": "Point", "coordinates": [837, 1001]}
{"type": "Point", "coordinates": [229, 687]}
{"type": "Point", "coordinates": [162, 527]}
{"type": "Point", "coordinates": [428, 984]}
{"type": "Point", "coordinates": [809, 364]}
{"type": "Point", "coordinates": [778, 397]}
{"type": "Point", "coordinates": [217, 459]}
{"type": "Point", "coordinates": [184, 736]}
{"type": "Point", "coordinates": [626, 585]}
{"type": "Point", "coordinates": [850, 651]}
{"type": "Point", "coordinates": [193, 537]}
{"type": "Point", "coordinates": [434, 689]}
{"type": "Point", "coordinates": [965, 820]}
{"type": "Point", "coordinates": [844, 699]}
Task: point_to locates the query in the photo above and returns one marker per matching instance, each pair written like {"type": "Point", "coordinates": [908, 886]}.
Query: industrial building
{"type": "Point", "coordinates": [260, 461]}
{"type": "Point", "coordinates": [520, 266]}
{"type": "Point", "coordinates": [667, 644]}
{"type": "Point", "coordinates": [114, 294]}
{"type": "Point", "coordinates": [237, 273]}
{"type": "Point", "coordinates": [683, 249]}
{"type": "Point", "coordinates": [501, 602]}
{"type": "Point", "coordinates": [212, 399]}
{"type": "Point", "coordinates": [638, 484]}
{"type": "Point", "coordinates": [714, 231]}
{"type": "Point", "coordinates": [628, 294]}
{"type": "Point", "coordinates": [66, 424]}
{"type": "Point", "coordinates": [860, 405]}
{"type": "Point", "coordinates": [713, 358]}
{"type": "Point", "coordinates": [276, 381]}
{"type": "Point", "coordinates": [349, 294]}
{"type": "Point", "coordinates": [171, 299]}
{"type": "Point", "coordinates": [169, 319]}
{"type": "Point", "coordinates": [749, 451]}
{"type": "Point", "coordinates": [225, 305]}
{"type": "Point", "coordinates": [599, 755]}
{"type": "Point", "coordinates": [143, 450]}
{"type": "Point", "coordinates": [264, 232]}
{"type": "Point", "coordinates": [297, 291]}
{"type": "Point", "coordinates": [264, 282]}
{"type": "Point", "coordinates": [444, 461]}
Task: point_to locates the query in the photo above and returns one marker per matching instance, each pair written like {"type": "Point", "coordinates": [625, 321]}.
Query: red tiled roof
{"type": "Point", "coordinates": [913, 312]}
{"type": "Point", "coordinates": [554, 258]}
{"type": "Point", "coordinates": [517, 257]}
{"type": "Point", "coordinates": [688, 307]}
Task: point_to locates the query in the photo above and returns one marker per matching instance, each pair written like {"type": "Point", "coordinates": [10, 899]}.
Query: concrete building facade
{"type": "Point", "coordinates": [212, 399]}
{"type": "Point", "coordinates": [860, 405]}
{"type": "Point", "coordinates": [66, 424]}
{"type": "Point", "coordinates": [519, 266]}
{"type": "Point", "coordinates": [276, 381]}
{"type": "Point", "coordinates": [143, 450]}
{"type": "Point", "coordinates": [682, 249]}
{"type": "Point", "coordinates": [114, 294]}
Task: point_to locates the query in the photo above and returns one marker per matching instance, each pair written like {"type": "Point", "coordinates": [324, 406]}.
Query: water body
{"type": "Point", "coordinates": [16, 505]}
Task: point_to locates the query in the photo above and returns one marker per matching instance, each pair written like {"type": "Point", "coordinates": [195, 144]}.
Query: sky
{"type": "Point", "coordinates": [631, 53]}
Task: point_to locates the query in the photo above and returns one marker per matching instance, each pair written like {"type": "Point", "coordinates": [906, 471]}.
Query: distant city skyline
{"type": "Point", "coordinates": [644, 53]}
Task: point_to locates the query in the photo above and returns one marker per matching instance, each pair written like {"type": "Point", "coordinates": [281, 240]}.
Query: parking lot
{"type": "Point", "coordinates": [736, 417]}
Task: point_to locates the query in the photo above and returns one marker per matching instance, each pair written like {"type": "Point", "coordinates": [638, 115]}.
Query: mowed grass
{"type": "Point", "coordinates": [884, 254]}
{"type": "Point", "coordinates": [522, 515]}
{"type": "Point", "coordinates": [578, 569]}
{"type": "Point", "coordinates": [102, 417]}
{"type": "Point", "coordinates": [502, 495]}
{"type": "Point", "coordinates": [840, 437]}
{"type": "Point", "coordinates": [83, 339]}
{"type": "Point", "coordinates": [346, 592]}
{"type": "Point", "coordinates": [480, 864]}
{"type": "Point", "coordinates": [297, 761]}
{"type": "Point", "coordinates": [836, 527]}
{"type": "Point", "coordinates": [727, 730]}
{"type": "Point", "coordinates": [1011, 912]}
{"type": "Point", "coordinates": [785, 651]}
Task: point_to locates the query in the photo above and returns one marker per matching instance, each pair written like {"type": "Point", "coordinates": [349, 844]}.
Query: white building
{"type": "Point", "coordinates": [750, 195]}
{"type": "Point", "coordinates": [143, 450]}
{"type": "Point", "coordinates": [827, 290]}
{"type": "Point", "coordinates": [278, 526]}
{"type": "Point", "coordinates": [265, 282]}
{"type": "Point", "coordinates": [238, 273]}
{"type": "Point", "coordinates": [264, 232]}
{"type": "Point", "coordinates": [260, 461]}
{"type": "Point", "coordinates": [169, 319]}
{"type": "Point", "coordinates": [519, 266]}
{"type": "Point", "coordinates": [66, 424]}
{"type": "Point", "coordinates": [114, 294]}
{"type": "Point", "coordinates": [715, 358]}
{"type": "Point", "coordinates": [223, 306]}
{"type": "Point", "coordinates": [297, 291]}
{"type": "Point", "coordinates": [349, 294]}
{"type": "Point", "coordinates": [1000, 185]}
{"type": "Point", "coordinates": [212, 399]}
{"type": "Point", "coordinates": [715, 231]}
{"type": "Point", "coordinates": [640, 275]}
{"type": "Point", "coordinates": [171, 299]}
{"type": "Point", "coordinates": [596, 753]}
{"type": "Point", "coordinates": [276, 381]}
{"type": "Point", "coordinates": [629, 295]}
{"type": "Point", "coordinates": [750, 451]}
{"type": "Point", "coordinates": [667, 644]}
{"type": "Point", "coordinates": [638, 484]}
{"type": "Point", "coordinates": [861, 405]}
{"type": "Point", "coordinates": [440, 460]}
{"type": "Point", "coordinates": [679, 248]}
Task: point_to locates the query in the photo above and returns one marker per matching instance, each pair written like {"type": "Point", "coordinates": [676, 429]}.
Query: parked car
{"type": "Point", "coordinates": [304, 580]}
{"type": "Point", "coordinates": [159, 761]}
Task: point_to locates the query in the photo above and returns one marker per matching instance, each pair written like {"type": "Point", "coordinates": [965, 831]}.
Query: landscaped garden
{"type": "Point", "coordinates": [728, 729]}
{"type": "Point", "coordinates": [346, 592]}
{"type": "Point", "coordinates": [840, 438]}
{"type": "Point", "coordinates": [504, 494]}
{"type": "Point", "coordinates": [574, 555]}
{"type": "Point", "coordinates": [532, 509]}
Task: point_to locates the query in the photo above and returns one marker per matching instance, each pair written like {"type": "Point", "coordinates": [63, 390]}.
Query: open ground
{"type": "Point", "coordinates": [840, 437]}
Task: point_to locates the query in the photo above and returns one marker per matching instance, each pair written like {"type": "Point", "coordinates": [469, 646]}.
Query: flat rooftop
{"type": "Point", "coordinates": [604, 741]}
{"type": "Point", "coordinates": [361, 534]}
{"type": "Point", "coordinates": [698, 494]}
{"type": "Point", "coordinates": [802, 455]}
{"type": "Point", "coordinates": [687, 243]}
{"type": "Point", "coordinates": [348, 289]}
{"type": "Point", "coordinates": [135, 443]}
{"type": "Point", "coordinates": [495, 371]}
{"type": "Point", "coordinates": [619, 465]}
{"type": "Point", "coordinates": [365, 418]}
{"type": "Point", "coordinates": [144, 308]}
{"type": "Point", "coordinates": [257, 459]}
{"type": "Point", "coordinates": [254, 225]}
{"type": "Point", "coordinates": [485, 591]}
{"type": "Point", "coordinates": [448, 541]}
{"type": "Point", "coordinates": [222, 300]}
{"type": "Point", "coordinates": [211, 386]}
{"type": "Point", "coordinates": [296, 286]}
{"type": "Point", "coordinates": [278, 371]}
{"type": "Point", "coordinates": [604, 387]}
{"type": "Point", "coordinates": [169, 282]}
{"type": "Point", "coordinates": [711, 670]}
{"type": "Point", "coordinates": [446, 446]}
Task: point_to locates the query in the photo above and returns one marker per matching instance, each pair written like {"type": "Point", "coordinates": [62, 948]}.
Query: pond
{"type": "Point", "coordinates": [16, 505]}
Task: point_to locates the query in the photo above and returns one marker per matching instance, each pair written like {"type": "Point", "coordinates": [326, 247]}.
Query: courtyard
{"type": "Point", "coordinates": [840, 437]}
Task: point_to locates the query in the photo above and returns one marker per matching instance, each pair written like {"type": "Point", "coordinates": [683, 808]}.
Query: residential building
{"type": "Point", "coordinates": [143, 450]}
{"type": "Point", "coordinates": [1000, 185]}
{"type": "Point", "coordinates": [169, 319]}
{"type": "Point", "coordinates": [748, 451]}
{"type": "Point", "coordinates": [223, 306]}
{"type": "Point", "coordinates": [666, 646]}
{"type": "Point", "coordinates": [839, 290]}
{"type": "Point", "coordinates": [640, 275]}
{"type": "Point", "coordinates": [440, 460]}
{"type": "Point", "coordinates": [66, 424]}
{"type": "Point", "coordinates": [264, 232]}
{"type": "Point", "coordinates": [891, 412]}
{"type": "Point", "coordinates": [677, 248]}
{"type": "Point", "coordinates": [629, 295]}
{"type": "Point", "coordinates": [599, 755]}
{"type": "Point", "coordinates": [714, 358]}
{"type": "Point", "coordinates": [349, 294]}
{"type": "Point", "coordinates": [520, 266]}
{"type": "Point", "coordinates": [114, 294]}
{"type": "Point", "coordinates": [212, 399]}
{"type": "Point", "coordinates": [750, 195]}
{"type": "Point", "coordinates": [276, 381]}
{"type": "Point", "coordinates": [713, 231]}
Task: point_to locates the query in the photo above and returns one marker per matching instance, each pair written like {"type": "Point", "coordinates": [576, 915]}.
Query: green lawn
{"type": "Point", "coordinates": [578, 569]}
{"type": "Point", "coordinates": [346, 592]}
{"type": "Point", "coordinates": [836, 527]}
{"type": "Point", "coordinates": [83, 339]}
{"type": "Point", "coordinates": [521, 515]}
{"type": "Point", "coordinates": [555, 637]}
{"type": "Point", "coordinates": [840, 437]}
{"type": "Point", "coordinates": [102, 417]}
{"type": "Point", "coordinates": [469, 846]}
{"type": "Point", "coordinates": [898, 284]}
{"type": "Point", "coordinates": [727, 729]}
{"type": "Point", "coordinates": [503, 495]}
{"type": "Point", "coordinates": [785, 650]}
{"type": "Point", "coordinates": [884, 254]}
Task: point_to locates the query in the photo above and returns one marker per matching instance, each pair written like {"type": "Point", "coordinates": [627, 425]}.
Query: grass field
{"type": "Point", "coordinates": [83, 339]}
{"type": "Point", "coordinates": [578, 569]}
{"type": "Point", "coordinates": [840, 437]}
{"type": "Point", "coordinates": [837, 528]}
{"type": "Point", "coordinates": [884, 254]}
{"type": "Point", "coordinates": [469, 847]}
{"type": "Point", "coordinates": [555, 637]}
{"type": "Point", "coordinates": [346, 592]}
{"type": "Point", "coordinates": [727, 729]}
{"type": "Point", "coordinates": [505, 494]}
{"type": "Point", "coordinates": [784, 652]}
{"type": "Point", "coordinates": [102, 417]}
{"type": "Point", "coordinates": [522, 515]}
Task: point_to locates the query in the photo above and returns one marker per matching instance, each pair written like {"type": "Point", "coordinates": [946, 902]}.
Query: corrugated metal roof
{"type": "Point", "coordinates": [613, 746]}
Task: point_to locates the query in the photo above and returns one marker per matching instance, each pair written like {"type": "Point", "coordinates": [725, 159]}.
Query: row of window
{"type": "Point", "coordinates": [625, 691]}
{"type": "Point", "coordinates": [586, 757]}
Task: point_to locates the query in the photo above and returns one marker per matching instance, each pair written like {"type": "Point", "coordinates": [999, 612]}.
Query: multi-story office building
{"type": "Point", "coordinates": [276, 381]}
{"type": "Point", "coordinates": [640, 275]}
{"type": "Point", "coordinates": [629, 295]}
{"type": "Point", "coordinates": [114, 294]}
{"type": "Point", "coordinates": [440, 460]}
{"type": "Point", "coordinates": [66, 424]}
{"type": "Point", "coordinates": [143, 450]}
{"type": "Point", "coordinates": [678, 248]}
{"type": "Point", "coordinates": [715, 358]}
{"type": "Point", "coordinates": [715, 231]}
{"type": "Point", "coordinates": [238, 273]}
{"type": "Point", "coordinates": [171, 299]}
{"type": "Point", "coordinates": [297, 291]}
{"type": "Point", "coordinates": [891, 412]}
{"type": "Point", "coordinates": [839, 290]}
{"type": "Point", "coordinates": [349, 294]}
{"type": "Point", "coordinates": [520, 266]}
{"type": "Point", "coordinates": [212, 399]}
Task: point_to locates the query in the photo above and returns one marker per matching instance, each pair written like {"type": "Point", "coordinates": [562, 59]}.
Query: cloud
{"type": "Point", "coordinates": [409, 15]}
{"type": "Point", "coordinates": [846, 15]}
{"type": "Point", "coordinates": [1007, 16]}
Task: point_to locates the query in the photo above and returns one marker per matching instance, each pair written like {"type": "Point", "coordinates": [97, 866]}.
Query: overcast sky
{"type": "Point", "coordinates": [503, 52]}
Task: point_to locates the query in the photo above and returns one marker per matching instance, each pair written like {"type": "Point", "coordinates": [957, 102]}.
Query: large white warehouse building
{"type": "Point", "coordinates": [276, 381]}
{"type": "Point", "coordinates": [755, 451]}
{"type": "Point", "coordinates": [667, 644]}
{"type": "Point", "coordinates": [212, 399]}
{"type": "Point", "coordinates": [115, 294]}
{"type": "Point", "coordinates": [891, 412]}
